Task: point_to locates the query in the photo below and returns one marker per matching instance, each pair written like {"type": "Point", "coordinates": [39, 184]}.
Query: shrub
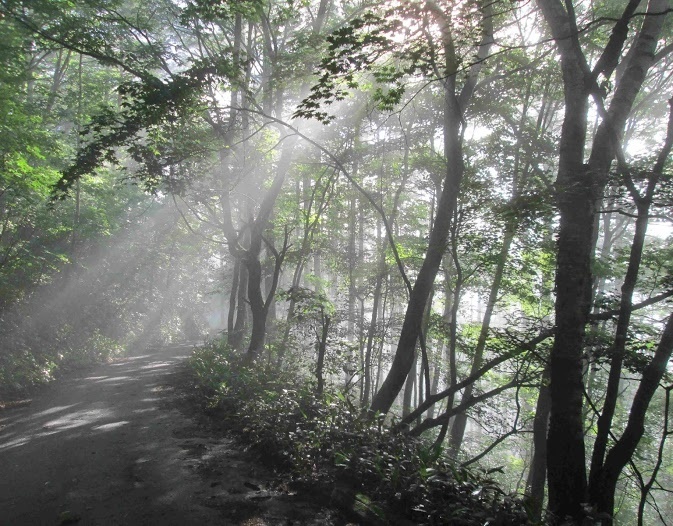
{"type": "Point", "coordinates": [30, 361]}
{"type": "Point", "coordinates": [325, 440]}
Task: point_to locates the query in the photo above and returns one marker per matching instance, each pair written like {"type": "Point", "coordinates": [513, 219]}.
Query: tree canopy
{"type": "Point", "coordinates": [454, 214]}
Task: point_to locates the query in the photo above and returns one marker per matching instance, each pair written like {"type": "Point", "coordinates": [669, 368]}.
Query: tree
{"type": "Point", "coordinates": [579, 188]}
{"type": "Point", "coordinates": [456, 99]}
{"type": "Point", "coordinates": [419, 226]}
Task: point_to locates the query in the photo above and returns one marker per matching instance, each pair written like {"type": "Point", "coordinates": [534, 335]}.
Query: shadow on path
{"type": "Point", "coordinates": [115, 447]}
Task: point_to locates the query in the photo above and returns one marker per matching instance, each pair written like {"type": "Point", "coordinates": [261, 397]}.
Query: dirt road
{"type": "Point", "coordinates": [118, 446]}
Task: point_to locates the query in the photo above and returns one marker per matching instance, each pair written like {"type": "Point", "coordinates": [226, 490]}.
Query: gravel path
{"type": "Point", "coordinates": [120, 445]}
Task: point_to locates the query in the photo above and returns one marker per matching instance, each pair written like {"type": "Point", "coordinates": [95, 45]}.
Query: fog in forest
{"type": "Point", "coordinates": [442, 224]}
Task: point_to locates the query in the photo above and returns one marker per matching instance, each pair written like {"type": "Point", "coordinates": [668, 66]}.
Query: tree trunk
{"type": "Point", "coordinates": [411, 327]}
{"type": "Point", "coordinates": [436, 373]}
{"type": "Point", "coordinates": [258, 308]}
{"type": "Point", "coordinates": [576, 201]}
{"type": "Point", "coordinates": [233, 294]}
{"type": "Point", "coordinates": [454, 105]}
{"type": "Point", "coordinates": [630, 81]}
{"type": "Point", "coordinates": [619, 348]}
{"type": "Point", "coordinates": [623, 450]}
{"type": "Point", "coordinates": [322, 347]}
{"type": "Point", "coordinates": [409, 385]}
{"type": "Point", "coordinates": [602, 474]}
{"type": "Point", "coordinates": [579, 188]}
{"type": "Point", "coordinates": [259, 305]}
{"type": "Point", "coordinates": [367, 369]}
{"type": "Point", "coordinates": [236, 336]}
{"type": "Point", "coordinates": [60, 70]}
{"type": "Point", "coordinates": [537, 476]}
{"type": "Point", "coordinates": [460, 422]}
{"type": "Point", "coordinates": [269, 278]}
{"type": "Point", "coordinates": [352, 232]}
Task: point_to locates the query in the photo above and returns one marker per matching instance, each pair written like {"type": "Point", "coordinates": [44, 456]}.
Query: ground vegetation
{"type": "Point", "coordinates": [448, 217]}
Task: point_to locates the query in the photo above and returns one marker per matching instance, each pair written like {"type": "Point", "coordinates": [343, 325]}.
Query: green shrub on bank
{"type": "Point", "coordinates": [324, 440]}
{"type": "Point", "coordinates": [31, 362]}
{"type": "Point", "coordinates": [23, 370]}
{"type": "Point", "coordinates": [90, 350]}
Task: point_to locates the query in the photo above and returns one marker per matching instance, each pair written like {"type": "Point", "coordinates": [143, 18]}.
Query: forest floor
{"type": "Point", "coordinates": [125, 444]}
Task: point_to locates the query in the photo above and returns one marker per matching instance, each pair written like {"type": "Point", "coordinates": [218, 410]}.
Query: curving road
{"type": "Point", "coordinates": [117, 447]}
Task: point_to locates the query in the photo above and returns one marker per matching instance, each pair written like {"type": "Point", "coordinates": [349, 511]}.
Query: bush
{"type": "Point", "coordinates": [324, 440]}
{"type": "Point", "coordinates": [88, 350]}
{"type": "Point", "coordinates": [21, 371]}
{"type": "Point", "coordinates": [30, 360]}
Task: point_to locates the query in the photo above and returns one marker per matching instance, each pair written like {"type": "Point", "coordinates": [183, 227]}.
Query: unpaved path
{"type": "Point", "coordinates": [120, 446]}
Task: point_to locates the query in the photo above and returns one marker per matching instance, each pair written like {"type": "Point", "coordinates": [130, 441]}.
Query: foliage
{"type": "Point", "coordinates": [325, 441]}
{"type": "Point", "coordinates": [190, 97]}
{"type": "Point", "coordinates": [153, 106]}
{"type": "Point", "coordinates": [31, 360]}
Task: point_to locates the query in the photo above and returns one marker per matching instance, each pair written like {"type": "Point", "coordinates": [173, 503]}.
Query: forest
{"type": "Point", "coordinates": [441, 226]}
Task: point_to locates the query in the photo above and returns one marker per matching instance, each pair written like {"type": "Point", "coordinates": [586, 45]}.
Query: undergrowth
{"type": "Point", "coordinates": [324, 442]}
{"type": "Point", "coordinates": [29, 362]}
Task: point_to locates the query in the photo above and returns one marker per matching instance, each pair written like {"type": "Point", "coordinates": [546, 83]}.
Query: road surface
{"type": "Point", "coordinates": [120, 446]}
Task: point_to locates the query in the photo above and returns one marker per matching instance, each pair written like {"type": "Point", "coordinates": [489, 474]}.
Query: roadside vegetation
{"type": "Point", "coordinates": [454, 214]}
{"type": "Point", "coordinates": [357, 462]}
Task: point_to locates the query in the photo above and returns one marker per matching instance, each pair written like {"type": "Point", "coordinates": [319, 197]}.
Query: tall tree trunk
{"type": "Point", "coordinates": [233, 295]}
{"type": "Point", "coordinates": [454, 105]}
{"type": "Point", "coordinates": [352, 234]}
{"type": "Point", "coordinates": [259, 305]}
{"type": "Point", "coordinates": [445, 347]}
{"type": "Point", "coordinates": [576, 201]}
{"type": "Point", "coordinates": [436, 374]}
{"type": "Point", "coordinates": [520, 171]}
{"type": "Point", "coordinates": [460, 422]}
{"type": "Point", "coordinates": [74, 240]}
{"type": "Point", "coordinates": [579, 188]}
{"type": "Point", "coordinates": [537, 475]}
{"type": "Point", "coordinates": [409, 385]}
{"type": "Point", "coordinates": [60, 70]}
{"type": "Point", "coordinates": [371, 333]}
{"type": "Point", "coordinates": [622, 452]}
{"type": "Point", "coordinates": [236, 337]}
{"type": "Point", "coordinates": [322, 348]}
{"type": "Point", "coordinates": [452, 302]}
{"type": "Point", "coordinates": [618, 350]}
{"type": "Point", "coordinates": [273, 100]}
{"type": "Point", "coordinates": [269, 277]}
{"type": "Point", "coordinates": [602, 474]}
